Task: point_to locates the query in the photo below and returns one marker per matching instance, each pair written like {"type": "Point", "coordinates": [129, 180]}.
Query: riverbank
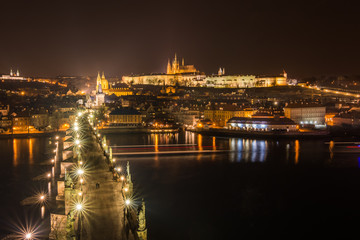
{"type": "Point", "coordinates": [105, 130]}
{"type": "Point", "coordinates": [32, 134]}
{"type": "Point", "coordinates": [263, 135]}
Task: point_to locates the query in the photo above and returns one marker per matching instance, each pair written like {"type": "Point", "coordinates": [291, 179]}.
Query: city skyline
{"type": "Point", "coordinates": [122, 38]}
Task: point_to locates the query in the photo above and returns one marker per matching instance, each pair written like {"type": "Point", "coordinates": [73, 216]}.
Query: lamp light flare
{"type": "Point", "coordinates": [57, 137]}
{"type": "Point", "coordinates": [78, 206]}
{"type": "Point", "coordinates": [126, 189]}
{"type": "Point", "coordinates": [118, 169]}
{"type": "Point", "coordinates": [42, 197]}
{"type": "Point", "coordinates": [122, 178]}
{"type": "Point", "coordinates": [127, 202]}
{"type": "Point", "coordinates": [49, 175]}
{"type": "Point", "coordinates": [80, 171]}
{"type": "Point", "coordinates": [76, 128]}
{"type": "Point", "coordinates": [80, 193]}
{"type": "Point", "coordinates": [81, 180]}
{"type": "Point", "coordinates": [77, 141]}
{"type": "Point", "coordinates": [81, 162]}
{"type": "Point", "coordinates": [28, 236]}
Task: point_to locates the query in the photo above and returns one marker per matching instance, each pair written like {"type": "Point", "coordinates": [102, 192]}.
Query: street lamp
{"type": "Point", "coordinates": [28, 236]}
{"type": "Point", "coordinates": [78, 207]}
{"type": "Point", "coordinates": [80, 171]}
{"type": "Point", "coordinates": [42, 198]}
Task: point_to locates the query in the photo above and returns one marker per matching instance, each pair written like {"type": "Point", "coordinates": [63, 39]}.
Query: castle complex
{"type": "Point", "coordinates": [188, 75]}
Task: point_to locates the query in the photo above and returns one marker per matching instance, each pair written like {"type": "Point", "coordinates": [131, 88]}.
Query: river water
{"type": "Point", "coordinates": [251, 190]}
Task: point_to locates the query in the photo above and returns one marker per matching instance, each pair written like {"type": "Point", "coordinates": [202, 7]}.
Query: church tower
{"type": "Point", "coordinates": [168, 69]}
{"type": "Point", "coordinates": [17, 73]}
{"type": "Point", "coordinates": [142, 230]}
{"type": "Point", "coordinates": [100, 96]}
{"type": "Point", "coordinates": [284, 73]}
{"type": "Point", "coordinates": [98, 81]}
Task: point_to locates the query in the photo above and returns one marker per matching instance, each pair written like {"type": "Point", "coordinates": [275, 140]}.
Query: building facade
{"type": "Point", "coordinates": [306, 114]}
{"type": "Point", "coordinates": [221, 115]}
{"type": "Point", "coordinates": [262, 124]}
{"type": "Point", "coordinates": [125, 117]}
{"type": "Point", "coordinates": [188, 75]}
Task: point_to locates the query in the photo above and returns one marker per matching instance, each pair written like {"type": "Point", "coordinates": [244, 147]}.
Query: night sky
{"type": "Point", "coordinates": [306, 38]}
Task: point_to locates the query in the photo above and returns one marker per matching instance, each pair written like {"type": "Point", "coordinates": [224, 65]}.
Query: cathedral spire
{"type": "Point", "coordinates": [168, 69]}
{"type": "Point", "coordinates": [17, 73]}
{"type": "Point", "coordinates": [103, 75]}
{"type": "Point", "coordinates": [11, 72]}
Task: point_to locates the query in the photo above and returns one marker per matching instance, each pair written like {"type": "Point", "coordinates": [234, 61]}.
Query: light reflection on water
{"type": "Point", "coordinates": [247, 150]}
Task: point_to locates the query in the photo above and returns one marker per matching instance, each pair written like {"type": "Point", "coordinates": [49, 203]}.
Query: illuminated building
{"type": "Point", "coordinates": [262, 124]}
{"type": "Point", "coordinates": [125, 117]}
{"type": "Point", "coordinates": [306, 114]}
{"type": "Point", "coordinates": [188, 75]}
{"type": "Point", "coordinates": [119, 89]}
{"type": "Point", "coordinates": [230, 81]}
{"type": "Point", "coordinates": [221, 115]}
{"type": "Point", "coordinates": [12, 76]}
{"type": "Point", "coordinates": [176, 68]}
{"type": "Point", "coordinates": [270, 81]}
{"type": "Point", "coordinates": [183, 75]}
{"type": "Point", "coordinates": [100, 96]}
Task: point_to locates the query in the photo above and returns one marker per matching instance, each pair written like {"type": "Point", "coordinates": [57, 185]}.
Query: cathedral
{"type": "Point", "coordinates": [176, 68]}
{"type": "Point", "coordinates": [119, 89]}
{"type": "Point", "coordinates": [189, 76]}
{"type": "Point", "coordinates": [176, 73]}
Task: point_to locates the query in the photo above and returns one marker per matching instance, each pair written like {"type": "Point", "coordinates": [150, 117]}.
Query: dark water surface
{"type": "Point", "coordinates": [258, 189]}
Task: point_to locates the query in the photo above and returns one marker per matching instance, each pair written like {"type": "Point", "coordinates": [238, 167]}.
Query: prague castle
{"type": "Point", "coordinates": [183, 75]}
{"type": "Point", "coordinates": [189, 76]}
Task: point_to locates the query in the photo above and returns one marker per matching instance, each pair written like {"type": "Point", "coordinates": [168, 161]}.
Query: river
{"type": "Point", "coordinates": [251, 189]}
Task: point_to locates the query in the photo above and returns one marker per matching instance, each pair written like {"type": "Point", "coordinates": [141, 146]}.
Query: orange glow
{"type": "Point", "coordinates": [15, 150]}
{"type": "Point", "coordinates": [31, 154]}
{"type": "Point", "coordinates": [200, 142]}
{"type": "Point", "coordinates": [297, 148]}
{"type": "Point", "coordinates": [156, 142]}
{"type": "Point", "coordinates": [214, 143]}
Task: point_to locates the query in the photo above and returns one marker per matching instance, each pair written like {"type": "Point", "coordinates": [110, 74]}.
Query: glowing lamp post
{"type": "Point", "coordinates": [28, 236]}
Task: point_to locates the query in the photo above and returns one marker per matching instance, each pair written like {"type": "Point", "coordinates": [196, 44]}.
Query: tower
{"type": "Point", "coordinates": [220, 72]}
{"type": "Point", "coordinates": [168, 69]}
{"type": "Point", "coordinates": [142, 231]}
{"type": "Point", "coordinates": [284, 73]}
{"type": "Point", "coordinates": [17, 73]}
{"type": "Point", "coordinates": [100, 96]}
{"type": "Point", "coordinates": [11, 72]}
{"type": "Point", "coordinates": [98, 81]}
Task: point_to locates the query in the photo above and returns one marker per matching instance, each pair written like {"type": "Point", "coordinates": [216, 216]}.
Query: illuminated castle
{"type": "Point", "coordinates": [189, 76]}
{"type": "Point", "coordinates": [176, 68]}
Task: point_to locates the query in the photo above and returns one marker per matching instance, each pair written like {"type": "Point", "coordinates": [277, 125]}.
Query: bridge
{"type": "Point", "coordinates": [94, 194]}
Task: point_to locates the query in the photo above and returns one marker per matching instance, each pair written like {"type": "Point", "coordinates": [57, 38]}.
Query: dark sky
{"type": "Point", "coordinates": [48, 38]}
